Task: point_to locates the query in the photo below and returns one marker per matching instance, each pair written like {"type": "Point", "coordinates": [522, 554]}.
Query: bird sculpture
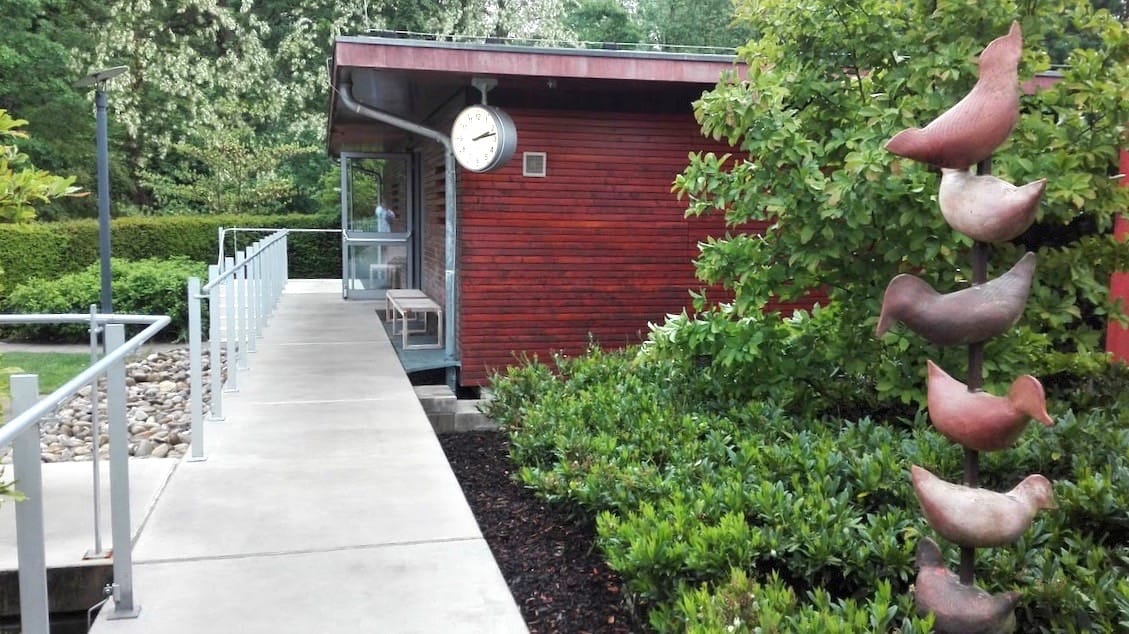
{"type": "Point", "coordinates": [970, 315]}
{"type": "Point", "coordinates": [979, 518]}
{"type": "Point", "coordinates": [971, 130]}
{"type": "Point", "coordinates": [979, 420]}
{"type": "Point", "coordinates": [986, 208]}
{"type": "Point", "coordinates": [958, 608]}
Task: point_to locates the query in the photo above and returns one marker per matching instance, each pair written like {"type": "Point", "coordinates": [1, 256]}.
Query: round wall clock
{"type": "Point", "coordinates": [483, 137]}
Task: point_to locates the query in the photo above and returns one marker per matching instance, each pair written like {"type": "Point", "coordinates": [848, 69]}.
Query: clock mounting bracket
{"type": "Point", "coordinates": [484, 85]}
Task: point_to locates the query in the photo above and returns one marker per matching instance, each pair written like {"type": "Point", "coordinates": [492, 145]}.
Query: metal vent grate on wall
{"type": "Point", "coordinates": [533, 164]}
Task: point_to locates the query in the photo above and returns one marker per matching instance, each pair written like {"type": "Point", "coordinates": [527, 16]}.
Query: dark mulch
{"type": "Point", "coordinates": [557, 578]}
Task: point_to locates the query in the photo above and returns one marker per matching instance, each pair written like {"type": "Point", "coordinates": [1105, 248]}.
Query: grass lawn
{"type": "Point", "coordinates": [53, 368]}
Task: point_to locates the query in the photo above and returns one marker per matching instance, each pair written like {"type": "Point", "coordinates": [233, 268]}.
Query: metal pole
{"type": "Point", "coordinates": [232, 331]}
{"type": "Point", "coordinates": [195, 381]}
{"type": "Point", "coordinates": [30, 538]}
{"type": "Point", "coordinates": [102, 141]}
{"type": "Point", "coordinates": [451, 258]}
{"type": "Point", "coordinates": [95, 439]}
{"type": "Point", "coordinates": [215, 412]}
{"type": "Point", "coordinates": [975, 380]}
{"type": "Point", "coordinates": [124, 607]}
{"type": "Point", "coordinates": [265, 272]}
{"type": "Point", "coordinates": [252, 297]}
{"type": "Point", "coordinates": [241, 307]}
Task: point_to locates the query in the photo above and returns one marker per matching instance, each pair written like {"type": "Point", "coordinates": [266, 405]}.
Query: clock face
{"type": "Point", "coordinates": [483, 138]}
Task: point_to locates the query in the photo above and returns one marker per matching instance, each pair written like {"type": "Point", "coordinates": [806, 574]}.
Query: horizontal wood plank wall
{"type": "Point", "coordinates": [599, 246]}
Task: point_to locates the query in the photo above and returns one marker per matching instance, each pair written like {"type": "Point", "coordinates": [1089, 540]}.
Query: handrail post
{"type": "Point", "coordinates": [268, 284]}
{"type": "Point", "coordinates": [124, 606]}
{"type": "Point", "coordinates": [215, 412]}
{"type": "Point", "coordinates": [276, 274]}
{"type": "Point", "coordinates": [30, 537]}
{"type": "Point", "coordinates": [285, 262]}
{"type": "Point", "coordinates": [95, 439]}
{"type": "Point", "coordinates": [241, 307]}
{"type": "Point", "coordinates": [263, 278]}
{"type": "Point", "coordinates": [195, 381]}
{"type": "Point", "coordinates": [252, 298]}
{"type": "Point", "coordinates": [232, 330]}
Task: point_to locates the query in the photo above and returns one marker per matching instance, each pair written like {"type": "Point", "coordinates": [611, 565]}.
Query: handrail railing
{"type": "Point", "coordinates": [252, 281]}
{"type": "Point", "coordinates": [22, 433]}
{"type": "Point", "coordinates": [235, 232]}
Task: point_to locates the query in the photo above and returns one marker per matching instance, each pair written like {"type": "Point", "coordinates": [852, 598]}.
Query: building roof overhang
{"type": "Point", "coordinates": [415, 79]}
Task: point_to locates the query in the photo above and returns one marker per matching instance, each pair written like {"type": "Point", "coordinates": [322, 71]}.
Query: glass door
{"type": "Point", "coordinates": [377, 220]}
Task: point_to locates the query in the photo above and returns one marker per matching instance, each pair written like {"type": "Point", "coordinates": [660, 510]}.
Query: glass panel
{"type": "Point", "coordinates": [378, 216]}
{"type": "Point", "coordinates": [380, 200]}
{"type": "Point", "coordinates": [376, 268]}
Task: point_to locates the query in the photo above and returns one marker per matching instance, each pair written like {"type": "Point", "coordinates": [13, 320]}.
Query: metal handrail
{"type": "Point", "coordinates": [253, 281]}
{"type": "Point", "coordinates": [223, 234]}
{"type": "Point", "coordinates": [17, 425]}
{"type": "Point", "coordinates": [22, 433]}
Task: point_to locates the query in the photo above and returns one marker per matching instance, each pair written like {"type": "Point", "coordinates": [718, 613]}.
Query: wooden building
{"type": "Point", "coordinates": [577, 238]}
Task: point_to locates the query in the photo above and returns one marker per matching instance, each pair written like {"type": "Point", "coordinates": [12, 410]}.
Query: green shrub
{"type": "Point", "coordinates": [825, 88]}
{"type": "Point", "coordinates": [817, 512]}
{"type": "Point", "coordinates": [47, 250]}
{"type": "Point", "coordinates": [149, 287]}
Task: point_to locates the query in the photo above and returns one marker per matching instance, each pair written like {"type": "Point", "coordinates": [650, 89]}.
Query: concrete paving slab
{"type": "Point", "coordinates": [450, 587]}
{"type": "Point", "coordinates": [68, 502]}
{"type": "Point", "coordinates": [239, 506]}
{"type": "Point", "coordinates": [325, 504]}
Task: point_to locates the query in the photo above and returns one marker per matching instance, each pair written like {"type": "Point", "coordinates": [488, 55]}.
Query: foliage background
{"type": "Point", "coordinates": [222, 109]}
{"type": "Point", "coordinates": [827, 85]}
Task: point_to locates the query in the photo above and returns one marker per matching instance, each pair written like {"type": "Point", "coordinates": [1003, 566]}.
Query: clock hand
{"type": "Point", "coordinates": [483, 135]}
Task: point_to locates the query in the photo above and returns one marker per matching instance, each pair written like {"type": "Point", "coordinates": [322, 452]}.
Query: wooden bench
{"type": "Point", "coordinates": [404, 304]}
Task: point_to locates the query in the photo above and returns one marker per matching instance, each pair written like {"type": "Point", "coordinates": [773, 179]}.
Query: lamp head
{"type": "Point", "coordinates": [100, 77]}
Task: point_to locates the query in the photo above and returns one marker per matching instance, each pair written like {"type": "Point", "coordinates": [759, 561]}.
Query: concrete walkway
{"type": "Point", "coordinates": [325, 503]}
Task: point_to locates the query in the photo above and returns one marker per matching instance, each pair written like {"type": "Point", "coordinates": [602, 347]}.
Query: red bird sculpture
{"type": "Point", "coordinates": [971, 130]}
{"type": "Point", "coordinates": [957, 608]}
{"type": "Point", "coordinates": [979, 518]}
{"type": "Point", "coordinates": [986, 208]}
{"type": "Point", "coordinates": [970, 315]}
{"type": "Point", "coordinates": [979, 420]}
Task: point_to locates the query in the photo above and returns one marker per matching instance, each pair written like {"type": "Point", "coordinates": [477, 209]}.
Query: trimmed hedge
{"type": "Point", "coordinates": [47, 250]}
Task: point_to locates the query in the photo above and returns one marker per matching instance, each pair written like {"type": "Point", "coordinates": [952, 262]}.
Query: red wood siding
{"type": "Point", "coordinates": [598, 246]}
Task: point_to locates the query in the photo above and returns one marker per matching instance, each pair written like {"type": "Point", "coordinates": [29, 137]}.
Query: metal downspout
{"type": "Point", "coordinates": [345, 92]}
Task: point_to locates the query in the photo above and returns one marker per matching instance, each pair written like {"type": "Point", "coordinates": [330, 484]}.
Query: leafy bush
{"type": "Point", "coordinates": [149, 287]}
{"type": "Point", "coordinates": [825, 88]}
{"type": "Point", "coordinates": [46, 250]}
{"type": "Point", "coordinates": [740, 516]}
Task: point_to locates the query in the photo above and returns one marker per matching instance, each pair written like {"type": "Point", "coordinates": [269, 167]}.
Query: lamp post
{"type": "Point", "coordinates": [98, 80]}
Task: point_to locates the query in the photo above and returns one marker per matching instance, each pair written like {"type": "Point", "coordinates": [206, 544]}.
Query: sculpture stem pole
{"type": "Point", "coordinates": [975, 382]}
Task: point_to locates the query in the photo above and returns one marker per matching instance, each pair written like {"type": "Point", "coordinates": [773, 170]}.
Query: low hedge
{"type": "Point", "coordinates": [46, 250]}
{"type": "Point", "coordinates": [153, 286]}
{"type": "Point", "coordinates": [753, 519]}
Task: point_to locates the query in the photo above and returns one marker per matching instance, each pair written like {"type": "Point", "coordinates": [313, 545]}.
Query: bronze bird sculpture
{"type": "Point", "coordinates": [979, 420]}
{"type": "Point", "coordinates": [986, 208]}
{"type": "Point", "coordinates": [957, 608]}
{"type": "Point", "coordinates": [970, 315]}
{"type": "Point", "coordinates": [979, 518]}
{"type": "Point", "coordinates": [971, 130]}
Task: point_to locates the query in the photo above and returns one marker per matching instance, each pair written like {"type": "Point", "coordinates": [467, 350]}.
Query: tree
{"type": "Point", "coordinates": [37, 70]}
{"type": "Point", "coordinates": [603, 21]}
{"type": "Point", "coordinates": [225, 173]}
{"type": "Point", "coordinates": [21, 184]}
{"type": "Point", "coordinates": [701, 23]}
{"type": "Point", "coordinates": [828, 83]}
